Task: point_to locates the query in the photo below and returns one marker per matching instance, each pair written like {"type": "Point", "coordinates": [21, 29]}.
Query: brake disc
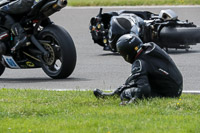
{"type": "Point", "coordinates": [50, 59]}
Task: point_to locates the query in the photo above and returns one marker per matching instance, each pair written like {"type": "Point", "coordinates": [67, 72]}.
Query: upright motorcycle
{"type": "Point", "coordinates": [50, 46]}
{"type": "Point", "coordinates": [165, 29]}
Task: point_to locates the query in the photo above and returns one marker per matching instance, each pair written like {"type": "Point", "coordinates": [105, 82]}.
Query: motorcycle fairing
{"type": "Point", "coordinates": [168, 15]}
{"type": "Point", "coordinates": [10, 62]}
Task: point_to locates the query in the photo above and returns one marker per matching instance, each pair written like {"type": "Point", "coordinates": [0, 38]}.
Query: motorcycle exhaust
{"type": "Point", "coordinates": [182, 35]}
{"type": "Point", "coordinates": [60, 4]}
{"type": "Point", "coordinates": [53, 6]}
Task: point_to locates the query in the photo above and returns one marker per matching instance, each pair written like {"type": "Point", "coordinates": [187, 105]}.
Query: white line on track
{"type": "Point", "coordinates": [136, 7]}
{"type": "Point", "coordinates": [185, 92]}
{"type": "Point", "coordinates": [191, 92]}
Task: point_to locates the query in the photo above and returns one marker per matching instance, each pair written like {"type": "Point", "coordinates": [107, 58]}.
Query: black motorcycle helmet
{"type": "Point", "coordinates": [119, 25]}
{"type": "Point", "coordinates": [129, 45]}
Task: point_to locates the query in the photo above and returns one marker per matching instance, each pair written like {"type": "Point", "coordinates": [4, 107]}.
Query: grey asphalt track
{"type": "Point", "coordinates": [100, 69]}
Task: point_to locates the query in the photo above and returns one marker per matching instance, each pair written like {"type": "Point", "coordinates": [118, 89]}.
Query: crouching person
{"type": "Point", "coordinates": [154, 74]}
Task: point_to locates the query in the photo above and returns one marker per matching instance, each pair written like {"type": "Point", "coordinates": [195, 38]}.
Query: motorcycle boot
{"type": "Point", "coordinates": [20, 38]}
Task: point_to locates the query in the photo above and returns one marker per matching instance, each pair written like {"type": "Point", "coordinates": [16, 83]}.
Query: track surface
{"type": "Point", "coordinates": [97, 68]}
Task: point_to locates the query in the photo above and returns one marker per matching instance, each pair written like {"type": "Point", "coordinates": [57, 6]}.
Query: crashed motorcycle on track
{"type": "Point", "coordinates": [49, 46]}
{"type": "Point", "coordinates": [165, 29]}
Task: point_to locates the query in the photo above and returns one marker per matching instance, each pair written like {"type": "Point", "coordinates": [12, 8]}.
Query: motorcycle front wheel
{"type": "Point", "coordinates": [61, 61]}
{"type": "Point", "coordinates": [2, 69]}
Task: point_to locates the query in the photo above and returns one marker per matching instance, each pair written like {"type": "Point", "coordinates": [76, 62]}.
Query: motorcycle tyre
{"type": "Point", "coordinates": [2, 69]}
{"type": "Point", "coordinates": [67, 48]}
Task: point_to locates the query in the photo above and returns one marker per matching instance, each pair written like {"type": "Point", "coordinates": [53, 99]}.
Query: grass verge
{"type": "Point", "coordinates": [80, 112]}
{"type": "Point", "coordinates": [131, 2]}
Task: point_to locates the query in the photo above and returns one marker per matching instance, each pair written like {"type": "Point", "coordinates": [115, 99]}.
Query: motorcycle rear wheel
{"type": "Point", "coordinates": [62, 53]}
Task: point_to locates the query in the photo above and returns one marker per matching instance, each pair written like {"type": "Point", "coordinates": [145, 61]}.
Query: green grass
{"type": "Point", "coordinates": [131, 2]}
{"type": "Point", "coordinates": [38, 111]}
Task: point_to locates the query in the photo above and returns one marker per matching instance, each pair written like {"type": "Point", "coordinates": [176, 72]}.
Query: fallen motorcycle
{"type": "Point", "coordinates": [49, 46]}
{"type": "Point", "coordinates": [165, 29]}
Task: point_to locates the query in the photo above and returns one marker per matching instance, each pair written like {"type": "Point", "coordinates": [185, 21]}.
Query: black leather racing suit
{"type": "Point", "coordinates": [11, 8]}
{"type": "Point", "coordinates": [17, 6]}
{"type": "Point", "coordinates": [8, 11]}
{"type": "Point", "coordinates": [153, 74]}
